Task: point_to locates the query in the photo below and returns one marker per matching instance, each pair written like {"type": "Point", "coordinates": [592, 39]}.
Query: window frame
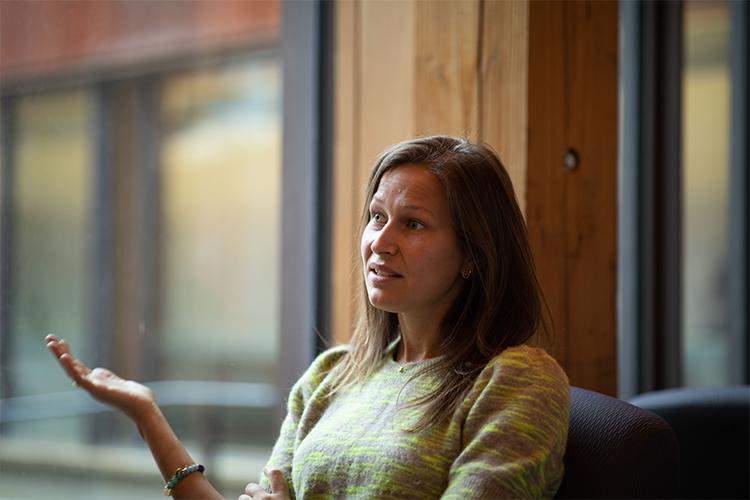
{"type": "Point", "coordinates": [649, 210]}
{"type": "Point", "coordinates": [145, 85]}
{"type": "Point", "coordinates": [739, 224]}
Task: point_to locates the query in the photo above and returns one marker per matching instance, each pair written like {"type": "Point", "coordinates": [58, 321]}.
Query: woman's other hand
{"type": "Point", "coordinates": [132, 398]}
{"type": "Point", "coordinates": [279, 488]}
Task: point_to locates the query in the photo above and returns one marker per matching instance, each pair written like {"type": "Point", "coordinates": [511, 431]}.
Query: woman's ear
{"type": "Point", "coordinates": [467, 268]}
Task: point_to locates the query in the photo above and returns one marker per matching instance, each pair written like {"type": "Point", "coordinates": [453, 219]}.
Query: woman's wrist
{"type": "Point", "coordinates": [149, 418]}
{"type": "Point", "coordinates": [166, 448]}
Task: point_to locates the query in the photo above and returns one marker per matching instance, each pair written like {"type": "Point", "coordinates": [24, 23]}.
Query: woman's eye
{"type": "Point", "coordinates": [377, 217]}
{"type": "Point", "coordinates": [415, 224]}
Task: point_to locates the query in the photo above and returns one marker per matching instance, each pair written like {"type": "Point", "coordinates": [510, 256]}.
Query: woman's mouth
{"type": "Point", "coordinates": [381, 274]}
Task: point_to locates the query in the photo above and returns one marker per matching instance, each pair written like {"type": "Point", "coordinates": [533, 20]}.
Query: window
{"type": "Point", "coordinates": [706, 346]}
{"type": "Point", "coordinates": [54, 158]}
{"type": "Point", "coordinates": [683, 224]}
{"type": "Point", "coordinates": [142, 220]}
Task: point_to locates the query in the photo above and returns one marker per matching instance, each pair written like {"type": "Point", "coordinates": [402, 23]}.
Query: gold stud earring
{"type": "Point", "coordinates": [466, 273]}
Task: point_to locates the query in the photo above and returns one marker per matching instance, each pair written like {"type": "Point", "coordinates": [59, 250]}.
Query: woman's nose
{"type": "Point", "coordinates": [384, 241]}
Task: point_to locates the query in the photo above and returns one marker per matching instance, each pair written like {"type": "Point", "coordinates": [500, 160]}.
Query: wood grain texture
{"type": "Point", "coordinates": [572, 214]}
{"type": "Point", "coordinates": [375, 72]}
{"type": "Point", "coordinates": [386, 83]}
{"type": "Point", "coordinates": [345, 151]}
{"type": "Point", "coordinates": [504, 86]}
{"type": "Point", "coordinates": [531, 79]}
{"type": "Point", "coordinates": [446, 84]}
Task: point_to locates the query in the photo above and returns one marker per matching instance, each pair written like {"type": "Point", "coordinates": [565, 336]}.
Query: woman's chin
{"type": "Point", "coordinates": [383, 304]}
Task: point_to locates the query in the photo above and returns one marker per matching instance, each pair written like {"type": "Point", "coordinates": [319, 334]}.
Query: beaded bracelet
{"type": "Point", "coordinates": [179, 475]}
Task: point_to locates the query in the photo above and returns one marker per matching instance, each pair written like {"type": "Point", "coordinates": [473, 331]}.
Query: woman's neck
{"type": "Point", "coordinates": [420, 338]}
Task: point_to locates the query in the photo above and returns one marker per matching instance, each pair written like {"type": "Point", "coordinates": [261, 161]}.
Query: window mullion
{"type": "Point", "coordinates": [738, 194]}
{"type": "Point", "coordinates": [7, 183]}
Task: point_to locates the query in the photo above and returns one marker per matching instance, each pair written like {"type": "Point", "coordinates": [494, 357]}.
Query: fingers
{"type": "Point", "coordinates": [74, 368]}
{"type": "Point", "coordinates": [253, 490]}
{"type": "Point", "coordinates": [279, 487]}
{"type": "Point", "coordinates": [278, 482]}
{"type": "Point", "coordinates": [56, 345]}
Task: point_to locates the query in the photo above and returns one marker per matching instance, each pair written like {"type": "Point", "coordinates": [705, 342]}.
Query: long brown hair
{"type": "Point", "coordinates": [499, 306]}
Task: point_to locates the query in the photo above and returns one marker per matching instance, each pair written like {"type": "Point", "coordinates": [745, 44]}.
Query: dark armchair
{"type": "Point", "coordinates": [616, 450]}
{"type": "Point", "coordinates": [713, 428]}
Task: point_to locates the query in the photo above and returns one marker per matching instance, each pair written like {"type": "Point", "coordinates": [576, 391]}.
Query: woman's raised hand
{"type": "Point", "coordinates": [137, 402]}
{"type": "Point", "coordinates": [132, 398]}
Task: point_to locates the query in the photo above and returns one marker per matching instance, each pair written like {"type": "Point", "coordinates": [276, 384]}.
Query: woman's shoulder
{"type": "Point", "coordinates": [525, 367]}
{"type": "Point", "coordinates": [322, 366]}
{"type": "Point", "coordinates": [329, 358]}
{"type": "Point", "coordinates": [522, 381]}
{"type": "Point", "coordinates": [525, 358]}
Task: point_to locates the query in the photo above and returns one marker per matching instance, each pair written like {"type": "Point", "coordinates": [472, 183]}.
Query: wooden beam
{"type": "Point", "coordinates": [571, 213]}
{"type": "Point", "coordinates": [345, 152]}
{"type": "Point", "coordinates": [446, 86]}
{"type": "Point", "coordinates": [504, 86]}
{"type": "Point", "coordinates": [375, 75]}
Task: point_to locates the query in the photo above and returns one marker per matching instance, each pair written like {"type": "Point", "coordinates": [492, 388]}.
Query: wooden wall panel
{"type": "Point", "coordinates": [504, 82]}
{"type": "Point", "coordinates": [345, 154]}
{"type": "Point", "coordinates": [386, 79]}
{"type": "Point", "coordinates": [571, 214]}
{"type": "Point", "coordinates": [545, 187]}
{"type": "Point", "coordinates": [529, 78]}
{"type": "Point", "coordinates": [375, 74]}
{"type": "Point", "coordinates": [446, 86]}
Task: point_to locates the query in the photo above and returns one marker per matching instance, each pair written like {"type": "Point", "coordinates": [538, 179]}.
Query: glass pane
{"type": "Point", "coordinates": [177, 240]}
{"type": "Point", "coordinates": [53, 172]}
{"type": "Point", "coordinates": [705, 194]}
{"type": "Point", "coordinates": [221, 175]}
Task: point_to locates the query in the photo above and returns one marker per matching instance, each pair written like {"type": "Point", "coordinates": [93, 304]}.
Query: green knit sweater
{"type": "Point", "coordinates": [506, 440]}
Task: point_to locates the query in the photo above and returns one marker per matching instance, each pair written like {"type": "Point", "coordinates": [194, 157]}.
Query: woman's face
{"type": "Point", "coordinates": [410, 252]}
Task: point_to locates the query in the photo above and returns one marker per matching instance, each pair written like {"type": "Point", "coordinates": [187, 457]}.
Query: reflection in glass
{"type": "Point", "coordinates": [221, 239]}
{"type": "Point", "coordinates": [214, 339]}
{"type": "Point", "coordinates": [51, 245]}
{"type": "Point", "coordinates": [705, 346]}
{"type": "Point", "coordinates": [221, 187]}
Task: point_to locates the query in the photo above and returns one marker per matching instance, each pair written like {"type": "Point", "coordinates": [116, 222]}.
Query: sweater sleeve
{"type": "Point", "coordinates": [515, 429]}
{"type": "Point", "coordinates": [299, 399]}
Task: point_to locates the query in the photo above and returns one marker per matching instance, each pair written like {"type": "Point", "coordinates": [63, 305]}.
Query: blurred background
{"type": "Point", "coordinates": [706, 198]}
{"type": "Point", "coordinates": [141, 164]}
{"type": "Point", "coordinates": [181, 184]}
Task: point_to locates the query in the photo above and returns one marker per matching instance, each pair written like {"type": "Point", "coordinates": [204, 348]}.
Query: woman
{"type": "Point", "coordinates": [438, 394]}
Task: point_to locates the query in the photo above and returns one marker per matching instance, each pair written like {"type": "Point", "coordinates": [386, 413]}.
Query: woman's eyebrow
{"type": "Point", "coordinates": [417, 208]}
{"type": "Point", "coordinates": [379, 201]}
